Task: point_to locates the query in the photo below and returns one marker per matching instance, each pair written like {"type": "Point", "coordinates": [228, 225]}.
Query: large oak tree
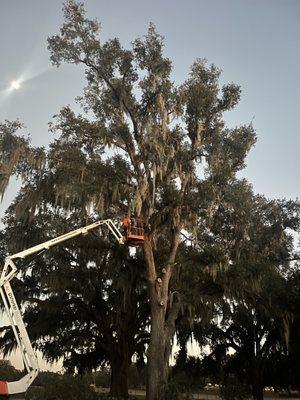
{"type": "Point", "coordinates": [170, 160]}
{"type": "Point", "coordinates": [180, 156]}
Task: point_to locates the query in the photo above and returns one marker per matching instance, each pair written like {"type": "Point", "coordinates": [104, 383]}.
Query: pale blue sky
{"type": "Point", "coordinates": [255, 42]}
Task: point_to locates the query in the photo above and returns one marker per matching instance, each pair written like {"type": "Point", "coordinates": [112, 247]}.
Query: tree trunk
{"type": "Point", "coordinates": [119, 377]}
{"type": "Point", "coordinates": [258, 391]}
{"type": "Point", "coordinates": [156, 371]}
{"type": "Point", "coordinates": [257, 384]}
{"type": "Point", "coordinates": [122, 347]}
{"type": "Point", "coordinates": [162, 323]}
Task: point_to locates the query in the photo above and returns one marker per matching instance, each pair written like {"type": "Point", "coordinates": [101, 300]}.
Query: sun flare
{"type": "Point", "coordinates": [15, 85]}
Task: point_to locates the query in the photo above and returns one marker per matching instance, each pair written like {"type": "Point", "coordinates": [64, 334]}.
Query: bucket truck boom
{"type": "Point", "coordinates": [12, 309]}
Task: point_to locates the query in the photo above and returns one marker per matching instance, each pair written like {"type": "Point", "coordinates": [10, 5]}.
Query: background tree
{"type": "Point", "coordinates": [254, 319]}
{"type": "Point", "coordinates": [17, 156]}
{"type": "Point", "coordinates": [283, 369]}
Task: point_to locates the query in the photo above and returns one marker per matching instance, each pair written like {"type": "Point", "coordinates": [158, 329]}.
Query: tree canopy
{"type": "Point", "coordinates": [161, 150]}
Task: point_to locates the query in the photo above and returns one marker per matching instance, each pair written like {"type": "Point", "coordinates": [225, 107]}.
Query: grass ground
{"type": "Point", "coordinates": [211, 394]}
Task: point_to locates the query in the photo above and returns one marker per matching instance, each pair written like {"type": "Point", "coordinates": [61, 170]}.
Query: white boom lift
{"type": "Point", "coordinates": [12, 309]}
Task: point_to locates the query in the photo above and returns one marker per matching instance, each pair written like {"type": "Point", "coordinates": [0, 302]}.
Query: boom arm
{"type": "Point", "coordinates": [12, 309]}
